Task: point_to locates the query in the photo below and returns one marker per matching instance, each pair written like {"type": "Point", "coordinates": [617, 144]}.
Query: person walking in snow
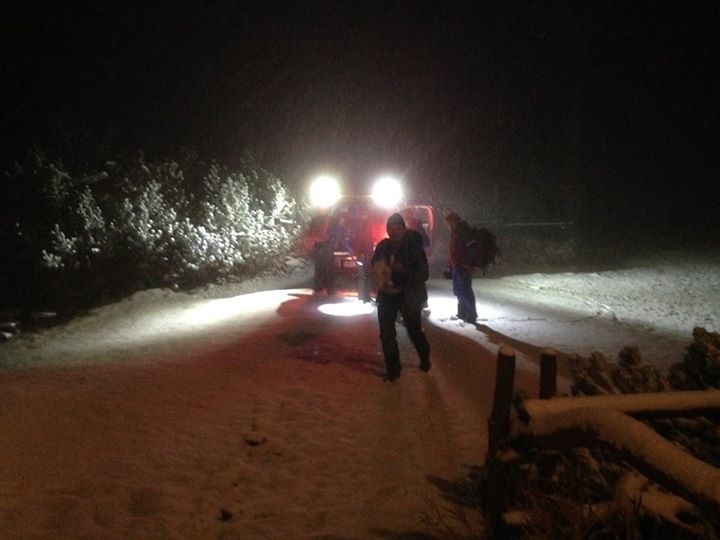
{"type": "Point", "coordinates": [401, 269]}
{"type": "Point", "coordinates": [459, 268]}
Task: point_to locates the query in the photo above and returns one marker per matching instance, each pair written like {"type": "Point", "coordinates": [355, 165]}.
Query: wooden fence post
{"type": "Point", "coordinates": [496, 488]}
{"type": "Point", "coordinates": [548, 373]}
{"type": "Point", "coordinates": [499, 421]}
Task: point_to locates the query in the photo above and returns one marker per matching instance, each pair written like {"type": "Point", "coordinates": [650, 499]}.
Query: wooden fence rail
{"type": "Point", "coordinates": [607, 420]}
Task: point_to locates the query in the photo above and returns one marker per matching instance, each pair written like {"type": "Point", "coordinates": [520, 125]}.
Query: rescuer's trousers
{"type": "Point", "coordinates": [462, 289]}
{"type": "Point", "coordinates": [388, 306]}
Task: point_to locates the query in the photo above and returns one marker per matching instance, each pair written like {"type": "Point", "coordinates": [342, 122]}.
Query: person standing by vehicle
{"type": "Point", "coordinates": [460, 269]}
{"type": "Point", "coordinates": [401, 270]}
{"type": "Point", "coordinates": [325, 272]}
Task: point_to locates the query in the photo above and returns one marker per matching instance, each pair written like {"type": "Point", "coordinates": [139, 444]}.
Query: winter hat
{"type": "Point", "coordinates": [396, 219]}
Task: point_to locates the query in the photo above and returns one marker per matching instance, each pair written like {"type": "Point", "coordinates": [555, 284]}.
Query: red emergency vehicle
{"type": "Point", "coordinates": [346, 228]}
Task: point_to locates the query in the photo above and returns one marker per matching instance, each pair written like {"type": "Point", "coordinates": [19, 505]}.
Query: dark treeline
{"type": "Point", "coordinates": [601, 113]}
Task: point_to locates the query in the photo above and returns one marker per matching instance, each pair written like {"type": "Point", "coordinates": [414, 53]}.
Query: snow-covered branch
{"type": "Point", "coordinates": [650, 402]}
{"type": "Point", "coordinates": [641, 443]}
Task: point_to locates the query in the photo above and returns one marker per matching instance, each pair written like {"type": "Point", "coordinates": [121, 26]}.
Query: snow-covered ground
{"type": "Point", "coordinates": [232, 412]}
{"type": "Point", "coordinates": [653, 303]}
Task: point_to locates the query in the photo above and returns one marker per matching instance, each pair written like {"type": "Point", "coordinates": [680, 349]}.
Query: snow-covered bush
{"type": "Point", "coordinates": [700, 369]}
{"type": "Point", "coordinates": [50, 226]}
{"type": "Point", "coordinates": [133, 223]}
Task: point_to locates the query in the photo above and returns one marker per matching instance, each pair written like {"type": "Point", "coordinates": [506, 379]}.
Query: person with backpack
{"type": "Point", "coordinates": [460, 261]}
{"type": "Point", "coordinates": [401, 269]}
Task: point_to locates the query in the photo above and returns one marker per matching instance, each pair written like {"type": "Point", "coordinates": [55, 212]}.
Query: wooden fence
{"type": "Point", "coordinates": [551, 422]}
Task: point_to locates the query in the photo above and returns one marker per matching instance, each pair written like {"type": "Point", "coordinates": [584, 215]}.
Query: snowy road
{"type": "Point", "coordinates": [270, 420]}
{"type": "Point", "coordinates": [264, 415]}
{"type": "Point", "coordinates": [651, 304]}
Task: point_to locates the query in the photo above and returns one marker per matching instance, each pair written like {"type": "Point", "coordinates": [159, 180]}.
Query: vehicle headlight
{"type": "Point", "coordinates": [324, 191]}
{"type": "Point", "coordinates": [387, 192]}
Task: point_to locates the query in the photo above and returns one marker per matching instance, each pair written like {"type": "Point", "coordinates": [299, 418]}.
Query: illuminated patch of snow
{"type": "Point", "coordinates": [348, 307]}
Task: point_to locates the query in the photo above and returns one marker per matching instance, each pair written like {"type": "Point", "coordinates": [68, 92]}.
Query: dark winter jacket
{"type": "Point", "coordinates": [409, 252]}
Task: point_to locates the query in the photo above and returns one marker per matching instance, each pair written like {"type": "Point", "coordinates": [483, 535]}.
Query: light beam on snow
{"type": "Point", "coordinates": [217, 310]}
{"type": "Point", "coordinates": [444, 306]}
{"type": "Point", "coordinates": [151, 321]}
{"type": "Point", "coordinates": [347, 307]}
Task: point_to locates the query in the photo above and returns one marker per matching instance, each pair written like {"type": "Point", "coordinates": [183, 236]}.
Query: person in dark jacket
{"type": "Point", "coordinates": [401, 270]}
{"type": "Point", "coordinates": [336, 240]}
{"type": "Point", "coordinates": [460, 269]}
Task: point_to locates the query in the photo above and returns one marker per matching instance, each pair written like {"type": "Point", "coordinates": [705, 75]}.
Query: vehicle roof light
{"type": "Point", "coordinates": [324, 191]}
{"type": "Point", "coordinates": [387, 192]}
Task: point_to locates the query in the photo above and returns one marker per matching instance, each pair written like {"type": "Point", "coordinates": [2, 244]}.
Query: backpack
{"type": "Point", "coordinates": [482, 248]}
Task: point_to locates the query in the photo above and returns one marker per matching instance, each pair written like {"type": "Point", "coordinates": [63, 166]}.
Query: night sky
{"type": "Point", "coordinates": [528, 106]}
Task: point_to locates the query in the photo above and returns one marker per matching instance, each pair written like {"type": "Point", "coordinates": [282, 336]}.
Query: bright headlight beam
{"type": "Point", "coordinates": [387, 192]}
{"type": "Point", "coordinates": [158, 326]}
{"type": "Point", "coordinates": [324, 191]}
